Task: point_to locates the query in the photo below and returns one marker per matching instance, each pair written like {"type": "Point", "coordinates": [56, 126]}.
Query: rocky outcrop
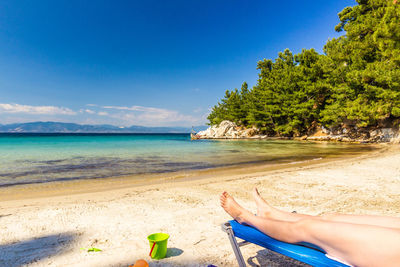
{"type": "Point", "coordinates": [229, 130]}
{"type": "Point", "coordinates": [382, 135]}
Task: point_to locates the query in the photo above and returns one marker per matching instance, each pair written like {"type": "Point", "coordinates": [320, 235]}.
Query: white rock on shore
{"type": "Point", "coordinates": [383, 135]}
{"type": "Point", "coordinates": [228, 130]}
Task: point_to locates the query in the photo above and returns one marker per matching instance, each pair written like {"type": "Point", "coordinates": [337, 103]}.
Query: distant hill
{"type": "Point", "coordinates": [60, 127]}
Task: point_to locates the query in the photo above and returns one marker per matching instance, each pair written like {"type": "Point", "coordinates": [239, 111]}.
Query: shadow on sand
{"type": "Point", "coordinates": [265, 258]}
{"type": "Point", "coordinates": [35, 249]}
{"type": "Point", "coordinates": [166, 262]}
{"type": "Point", "coordinates": [173, 252]}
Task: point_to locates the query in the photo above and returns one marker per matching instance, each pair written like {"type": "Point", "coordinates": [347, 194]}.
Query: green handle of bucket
{"type": "Point", "coordinates": [151, 250]}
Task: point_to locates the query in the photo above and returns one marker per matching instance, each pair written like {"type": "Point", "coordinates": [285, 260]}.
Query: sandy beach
{"type": "Point", "coordinates": [47, 225]}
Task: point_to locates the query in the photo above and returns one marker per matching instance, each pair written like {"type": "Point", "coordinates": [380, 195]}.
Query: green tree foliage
{"type": "Point", "coordinates": [233, 107]}
{"type": "Point", "coordinates": [355, 82]}
{"type": "Point", "coordinates": [366, 80]}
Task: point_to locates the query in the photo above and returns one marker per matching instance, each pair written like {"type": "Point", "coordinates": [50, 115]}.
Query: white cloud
{"type": "Point", "coordinates": [89, 111]}
{"type": "Point", "coordinates": [197, 110]}
{"type": "Point", "coordinates": [149, 115]}
{"type": "Point", "coordinates": [91, 105]}
{"type": "Point", "coordinates": [137, 108]}
{"type": "Point", "coordinates": [115, 115]}
{"type": "Point", "coordinates": [44, 110]}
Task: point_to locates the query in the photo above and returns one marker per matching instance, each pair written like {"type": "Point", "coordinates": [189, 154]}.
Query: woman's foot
{"type": "Point", "coordinates": [263, 208]}
{"type": "Point", "coordinates": [233, 208]}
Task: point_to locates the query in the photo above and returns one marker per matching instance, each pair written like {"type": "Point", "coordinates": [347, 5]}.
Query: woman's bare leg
{"type": "Point", "coordinates": [382, 221]}
{"type": "Point", "coordinates": [265, 210]}
{"type": "Point", "coordinates": [357, 244]}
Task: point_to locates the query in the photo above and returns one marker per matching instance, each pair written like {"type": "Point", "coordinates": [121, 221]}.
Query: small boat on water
{"type": "Point", "coordinates": [193, 135]}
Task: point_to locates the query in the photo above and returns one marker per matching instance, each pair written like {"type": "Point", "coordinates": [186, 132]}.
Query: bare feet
{"type": "Point", "coordinates": [233, 208]}
{"type": "Point", "coordinates": [263, 208]}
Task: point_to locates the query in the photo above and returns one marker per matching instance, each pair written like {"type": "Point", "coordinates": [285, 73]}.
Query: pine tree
{"type": "Point", "coordinates": [355, 82]}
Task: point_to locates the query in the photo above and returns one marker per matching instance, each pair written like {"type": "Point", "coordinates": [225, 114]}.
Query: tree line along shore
{"type": "Point", "coordinates": [353, 87]}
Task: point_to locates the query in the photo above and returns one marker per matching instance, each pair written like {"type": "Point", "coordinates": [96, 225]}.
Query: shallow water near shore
{"type": "Point", "coordinates": [40, 158]}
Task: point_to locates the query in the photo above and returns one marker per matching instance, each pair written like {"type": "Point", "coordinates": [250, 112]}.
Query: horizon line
{"type": "Point", "coordinates": [120, 127]}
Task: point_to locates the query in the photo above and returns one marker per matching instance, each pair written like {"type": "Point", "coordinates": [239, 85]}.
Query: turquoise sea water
{"type": "Point", "coordinates": [38, 158]}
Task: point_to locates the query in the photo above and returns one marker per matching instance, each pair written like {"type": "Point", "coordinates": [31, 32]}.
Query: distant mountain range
{"type": "Point", "coordinates": [60, 127]}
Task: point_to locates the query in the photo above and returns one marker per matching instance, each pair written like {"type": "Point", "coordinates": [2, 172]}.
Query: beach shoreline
{"type": "Point", "coordinates": [49, 230]}
{"type": "Point", "coordinates": [95, 185]}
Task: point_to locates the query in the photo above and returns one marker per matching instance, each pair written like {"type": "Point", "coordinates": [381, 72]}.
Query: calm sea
{"type": "Point", "coordinates": [38, 158]}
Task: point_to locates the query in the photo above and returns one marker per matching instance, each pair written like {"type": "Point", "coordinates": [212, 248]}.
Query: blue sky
{"type": "Point", "coordinates": [152, 63]}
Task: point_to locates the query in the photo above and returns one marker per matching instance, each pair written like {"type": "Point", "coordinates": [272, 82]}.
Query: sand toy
{"type": "Point", "coordinates": [158, 245]}
{"type": "Point", "coordinates": [140, 263]}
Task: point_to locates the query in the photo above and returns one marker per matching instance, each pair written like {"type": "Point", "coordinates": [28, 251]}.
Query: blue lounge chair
{"type": "Point", "coordinates": [303, 252]}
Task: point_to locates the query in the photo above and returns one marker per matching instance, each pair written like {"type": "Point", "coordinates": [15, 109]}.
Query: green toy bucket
{"type": "Point", "coordinates": [158, 245]}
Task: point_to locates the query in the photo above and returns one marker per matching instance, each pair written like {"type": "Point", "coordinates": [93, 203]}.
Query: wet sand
{"type": "Point", "coordinates": [47, 224]}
